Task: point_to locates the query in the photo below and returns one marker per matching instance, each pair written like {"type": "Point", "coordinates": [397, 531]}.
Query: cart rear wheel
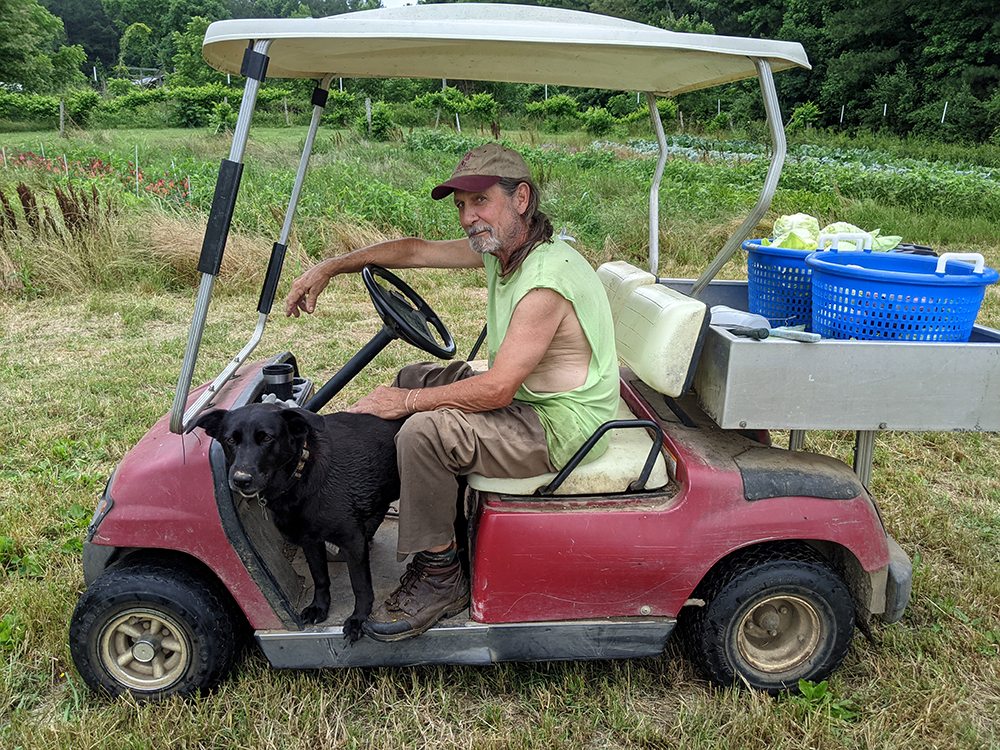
{"type": "Point", "coordinates": [771, 622]}
{"type": "Point", "coordinates": [153, 632]}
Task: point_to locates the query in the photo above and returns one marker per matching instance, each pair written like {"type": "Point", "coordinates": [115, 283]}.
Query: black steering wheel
{"type": "Point", "coordinates": [406, 314]}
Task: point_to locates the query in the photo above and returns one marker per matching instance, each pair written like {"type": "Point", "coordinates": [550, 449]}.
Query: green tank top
{"type": "Point", "coordinates": [571, 417]}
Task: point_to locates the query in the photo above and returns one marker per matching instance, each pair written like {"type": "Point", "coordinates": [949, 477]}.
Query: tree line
{"type": "Point", "coordinates": [902, 66]}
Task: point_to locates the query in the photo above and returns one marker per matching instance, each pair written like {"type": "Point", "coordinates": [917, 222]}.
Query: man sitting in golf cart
{"type": "Point", "coordinates": [553, 376]}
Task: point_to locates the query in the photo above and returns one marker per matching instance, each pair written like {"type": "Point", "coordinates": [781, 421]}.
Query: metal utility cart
{"type": "Point", "coordinates": [864, 386]}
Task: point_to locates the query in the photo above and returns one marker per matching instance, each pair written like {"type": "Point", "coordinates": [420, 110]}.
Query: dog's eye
{"type": "Point", "coordinates": [231, 440]}
{"type": "Point", "coordinates": [265, 439]}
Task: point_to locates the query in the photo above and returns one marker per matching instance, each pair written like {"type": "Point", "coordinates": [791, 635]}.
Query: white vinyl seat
{"type": "Point", "coordinates": [658, 334]}
{"type": "Point", "coordinates": [612, 472]}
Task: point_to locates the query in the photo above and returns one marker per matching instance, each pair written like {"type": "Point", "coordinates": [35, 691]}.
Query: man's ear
{"type": "Point", "coordinates": [522, 197]}
{"type": "Point", "coordinates": [210, 422]}
{"type": "Point", "coordinates": [300, 421]}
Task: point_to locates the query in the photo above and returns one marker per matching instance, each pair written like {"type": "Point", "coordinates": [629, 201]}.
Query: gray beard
{"type": "Point", "coordinates": [487, 244]}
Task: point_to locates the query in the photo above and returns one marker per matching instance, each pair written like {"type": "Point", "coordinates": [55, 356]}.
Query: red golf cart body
{"type": "Point", "coordinates": [591, 575]}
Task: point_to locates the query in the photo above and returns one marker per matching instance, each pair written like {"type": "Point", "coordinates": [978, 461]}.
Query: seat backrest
{"type": "Point", "coordinates": [620, 279]}
{"type": "Point", "coordinates": [658, 334]}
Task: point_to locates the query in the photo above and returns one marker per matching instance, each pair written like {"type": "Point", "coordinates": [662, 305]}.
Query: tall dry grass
{"type": "Point", "coordinates": [70, 241]}
{"type": "Point", "coordinates": [176, 240]}
{"type": "Point", "coordinates": [67, 240]}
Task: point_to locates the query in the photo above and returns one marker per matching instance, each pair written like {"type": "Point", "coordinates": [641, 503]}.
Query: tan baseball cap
{"type": "Point", "coordinates": [483, 167]}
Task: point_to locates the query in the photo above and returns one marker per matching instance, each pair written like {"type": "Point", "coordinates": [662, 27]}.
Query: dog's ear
{"type": "Point", "coordinates": [210, 422]}
{"type": "Point", "coordinates": [300, 421]}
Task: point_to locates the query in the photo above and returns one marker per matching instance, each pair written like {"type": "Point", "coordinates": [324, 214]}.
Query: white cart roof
{"type": "Point", "coordinates": [494, 42]}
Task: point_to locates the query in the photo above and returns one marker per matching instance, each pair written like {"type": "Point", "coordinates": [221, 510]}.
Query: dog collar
{"type": "Point", "coordinates": [297, 474]}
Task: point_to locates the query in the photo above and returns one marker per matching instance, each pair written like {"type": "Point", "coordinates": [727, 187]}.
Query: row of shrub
{"type": "Point", "coordinates": [216, 105]}
{"type": "Point", "coordinates": [188, 106]}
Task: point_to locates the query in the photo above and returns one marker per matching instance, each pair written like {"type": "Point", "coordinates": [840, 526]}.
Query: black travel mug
{"type": "Point", "coordinates": [278, 380]}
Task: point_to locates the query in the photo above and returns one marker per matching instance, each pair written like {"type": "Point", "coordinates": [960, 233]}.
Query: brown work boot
{"type": "Point", "coordinates": [426, 594]}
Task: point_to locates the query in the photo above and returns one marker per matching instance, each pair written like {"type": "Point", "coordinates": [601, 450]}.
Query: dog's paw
{"type": "Point", "coordinates": [314, 613]}
{"type": "Point", "coordinates": [352, 629]}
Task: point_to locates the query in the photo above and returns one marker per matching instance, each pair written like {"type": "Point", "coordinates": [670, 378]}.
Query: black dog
{"type": "Point", "coordinates": [324, 478]}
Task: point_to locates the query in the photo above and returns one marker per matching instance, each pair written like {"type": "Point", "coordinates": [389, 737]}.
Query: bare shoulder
{"type": "Point", "coordinates": [543, 301]}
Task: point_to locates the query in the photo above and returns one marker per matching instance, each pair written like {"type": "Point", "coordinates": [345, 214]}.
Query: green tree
{"type": "Point", "coordinates": [31, 51]}
{"type": "Point", "coordinates": [179, 16]}
{"type": "Point", "coordinates": [135, 40]}
{"type": "Point", "coordinates": [451, 101]}
{"type": "Point", "coordinates": [89, 26]}
{"type": "Point", "coordinates": [124, 14]}
{"type": "Point", "coordinates": [483, 107]}
{"type": "Point", "coordinates": [190, 68]}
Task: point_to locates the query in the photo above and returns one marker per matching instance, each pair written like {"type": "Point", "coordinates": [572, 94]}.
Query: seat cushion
{"type": "Point", "coordinates": [620, 278]}
{"type": "Point", "coordinates": [658, 334]}
{"type": "Point", "coordinates": [612, 472]}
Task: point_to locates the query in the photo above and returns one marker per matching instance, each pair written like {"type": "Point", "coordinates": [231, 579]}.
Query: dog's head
{"type": "Point", "coordinates": [262, 442]}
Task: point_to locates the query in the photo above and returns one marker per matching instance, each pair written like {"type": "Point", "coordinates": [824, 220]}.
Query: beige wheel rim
{"type": "Point", "coordinates": [145, 649]}
{"type": "Point", "coordinates": [779, 633]}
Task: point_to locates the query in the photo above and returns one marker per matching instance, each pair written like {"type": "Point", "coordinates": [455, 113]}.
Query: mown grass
{"type": "Point", "coordinates": [89, 360]}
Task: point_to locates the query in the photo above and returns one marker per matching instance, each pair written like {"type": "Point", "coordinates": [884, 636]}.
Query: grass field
{"type": "Point", "coordinates": [94, 325]}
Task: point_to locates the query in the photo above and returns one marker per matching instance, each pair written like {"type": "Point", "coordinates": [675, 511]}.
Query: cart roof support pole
{"type": "Point", "coordinates": [240, 134]}
{"type": "Point", "coordinates": [778, 148]}
{"type": "Point", "coordinates": [274, 268]}
{"type": "Point", "coordinates": [654, 189]}
{"type": "Point", "coordinates": [300, 176]}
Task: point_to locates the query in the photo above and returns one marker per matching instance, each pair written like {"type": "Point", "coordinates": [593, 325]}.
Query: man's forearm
{"type": "Point", "coordinates": [483, 392]}
{"type": "Point", "coordinates": [478, 393]}
{"type": "Point", "coordinates": [390, 254]}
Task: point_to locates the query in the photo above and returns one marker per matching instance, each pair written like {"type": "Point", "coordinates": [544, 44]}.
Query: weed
{"type": "Point", "coordinates": [11, 632]}
{"type": "Point", "coordinates": [817, 698]}
{"type": "Point", "coordinates": [27, 565]}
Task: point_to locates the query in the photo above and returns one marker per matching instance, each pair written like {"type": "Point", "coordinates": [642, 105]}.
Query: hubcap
{"type": "Point", "coordinates": [779, 633]}
{"type": "Point", "coordinates": [145, 649]}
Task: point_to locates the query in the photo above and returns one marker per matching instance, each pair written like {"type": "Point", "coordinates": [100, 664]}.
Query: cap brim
{"type": "Point", "coordinates": [472, 183]}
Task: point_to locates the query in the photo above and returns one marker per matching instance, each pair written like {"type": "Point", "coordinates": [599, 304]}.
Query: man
{"type": "Point", "coordinates": [552, 380]}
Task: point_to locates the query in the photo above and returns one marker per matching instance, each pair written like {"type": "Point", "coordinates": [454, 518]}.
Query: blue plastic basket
{"type": "Point", "coordinates": [778, 284]}
{"type": "Point", "coordinates": [865, 295]}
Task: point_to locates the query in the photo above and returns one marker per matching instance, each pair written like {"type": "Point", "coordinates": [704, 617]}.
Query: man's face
{"type": "Point", "coordinates": [491, 219]}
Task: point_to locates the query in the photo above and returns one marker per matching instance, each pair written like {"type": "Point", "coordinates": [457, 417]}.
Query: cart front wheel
{"type": "Point", "coordinates": [770, 622]}
{"type": "Point", "coordinates": [153, 632]}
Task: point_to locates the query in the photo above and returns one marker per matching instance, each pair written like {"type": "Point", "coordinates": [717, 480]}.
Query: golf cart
{"type": "Point", "coordinates": [765, 558]}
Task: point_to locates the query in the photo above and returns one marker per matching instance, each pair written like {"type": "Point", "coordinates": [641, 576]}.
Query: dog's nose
{"type": "Point", "coordinates": [241, 480]}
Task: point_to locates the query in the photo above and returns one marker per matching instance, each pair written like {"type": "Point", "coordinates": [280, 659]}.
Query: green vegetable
{"type": "Point", "coordinates": [802, 232]}
{"type": "Point", "coordinates": [796, 232]}
{"type": "Point", "coordinates": [879, 244]}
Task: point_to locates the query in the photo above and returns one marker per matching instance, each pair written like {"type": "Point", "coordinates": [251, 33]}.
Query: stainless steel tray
{"type": "Point", "coordinates": [845, 385]}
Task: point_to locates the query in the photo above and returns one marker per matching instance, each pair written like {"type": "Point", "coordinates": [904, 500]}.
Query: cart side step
{"type": "Point", "coordinates": [466, 642]}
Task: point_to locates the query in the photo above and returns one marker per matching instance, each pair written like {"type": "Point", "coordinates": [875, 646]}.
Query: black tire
{"type": "Point", "coordinates": [770, 619]}
{"type": "Point", "coordinates": [154, 632]}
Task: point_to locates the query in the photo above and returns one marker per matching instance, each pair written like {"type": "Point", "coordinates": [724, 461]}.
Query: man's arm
{"type": "Point", "coordinates": [532, 327]}
{"type": "Point", "coordinates": [409, 252]}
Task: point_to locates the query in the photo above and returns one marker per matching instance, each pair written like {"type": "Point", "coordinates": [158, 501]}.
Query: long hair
{"type": "Point", "coordinates": [538, 224]}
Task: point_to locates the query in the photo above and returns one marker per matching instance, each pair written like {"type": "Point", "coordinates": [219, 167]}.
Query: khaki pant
{"type": "Point", "coordinates": [434, 448]}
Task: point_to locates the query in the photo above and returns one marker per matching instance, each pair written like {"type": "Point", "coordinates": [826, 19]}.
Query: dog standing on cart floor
{"type": "Point", "coordinates": [326, 478]}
